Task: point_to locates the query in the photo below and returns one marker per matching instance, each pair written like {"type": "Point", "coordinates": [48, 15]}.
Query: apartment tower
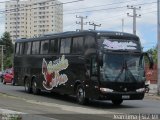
{"type": "Point", "coordinates": [33, 18]}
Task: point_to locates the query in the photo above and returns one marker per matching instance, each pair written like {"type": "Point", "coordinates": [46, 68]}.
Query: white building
{"type": "Point", "coordinates": [34, 18]}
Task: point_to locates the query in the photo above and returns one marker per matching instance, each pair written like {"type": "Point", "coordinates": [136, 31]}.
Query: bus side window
{"type": "Point", "coordinates": [21, 48]}
{"type": "Point", "coordinates": [77, 46]}
{"type": "Point", "coordinates": [44, 47]}
{"type": "Point", "coordinates": [65, 45]}
{"type": "Point", "coordinates": [35, 47]}
{"type": "Point", "coordinates": [89, 42]}
{"type": "Point", "coordinates": [94, 68]}
{"type": "Point", "coordinates": [27, 48]}
{"type": "Point", "coordinates": [54, 46]}
{"type": "Point", "coordinates": [17, 49]}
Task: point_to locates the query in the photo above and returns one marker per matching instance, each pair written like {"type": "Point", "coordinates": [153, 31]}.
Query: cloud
{"type": "Point", "coordinates": [109, 14]}
{"type": "Point", "coordinates": [110, 18]}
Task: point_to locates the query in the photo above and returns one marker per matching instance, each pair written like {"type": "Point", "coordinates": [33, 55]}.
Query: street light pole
{"type": "Point", "coordinates": [95, 25]}
{"type": "Point", "coordinates": [82, 21]}
{"type": "Point", "coordinates": [134, 16]}
{"type": "Point", "coordinates": [17, 9]}
{"type": "Point", "coordinates": [158, 41]}
{"type": "Point", "coordinates": [2, 58]}
{"type": "Point", "coordinates": [122, 25]}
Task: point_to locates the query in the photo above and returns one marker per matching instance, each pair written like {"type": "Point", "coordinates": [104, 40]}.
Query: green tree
{"type": "Point", "coordinates": [6, 40]}
{"type": "Point", "coordinates": [8, 52]}
{"type": "Point", "coordinates": [154, 53]}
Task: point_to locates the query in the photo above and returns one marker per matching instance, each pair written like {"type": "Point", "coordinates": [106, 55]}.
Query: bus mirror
{"type": "Point", "coordinates": [151, 63]}
{"type": "Point", "coordinates": [100, 58]}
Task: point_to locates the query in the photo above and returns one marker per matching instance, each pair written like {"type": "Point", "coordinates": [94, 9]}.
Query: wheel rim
{"type": "Point", "coordinates": [80, 94]}
{"type": "Point", "coordinates": [34, 87]}
{"type": "Point", "coordinates": [26, 86]}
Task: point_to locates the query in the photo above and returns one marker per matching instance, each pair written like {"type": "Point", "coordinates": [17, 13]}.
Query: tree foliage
{"type": "Point", "coordinates": [154, 53]}
{"type": "Point", "coordinates": [8, 49]}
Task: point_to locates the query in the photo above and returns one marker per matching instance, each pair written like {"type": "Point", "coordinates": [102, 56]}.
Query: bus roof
{"type": "Point", "coordinates": [77, 33]}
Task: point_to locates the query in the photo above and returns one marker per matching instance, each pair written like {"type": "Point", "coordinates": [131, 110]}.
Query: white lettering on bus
{"type": "Point", "coordinates": [115, 45]}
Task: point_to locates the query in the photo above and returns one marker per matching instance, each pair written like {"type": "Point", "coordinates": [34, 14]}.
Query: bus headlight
{"type": "Point", "coordinates": [106, 90]}
{"type": "Point", "coordinates": [140, 90]}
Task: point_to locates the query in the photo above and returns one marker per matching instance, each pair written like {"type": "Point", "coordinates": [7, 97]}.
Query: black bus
{"type": "Point", "coordinates": [98, 65]}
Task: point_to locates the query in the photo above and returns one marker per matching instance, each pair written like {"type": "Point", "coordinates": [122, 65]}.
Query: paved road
{"type": "Point", "coordinates": [59, 107]}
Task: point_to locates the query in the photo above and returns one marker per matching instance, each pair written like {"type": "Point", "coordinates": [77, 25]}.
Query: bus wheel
{"type": "Point", "coordinates": [1, 79]}
{"type": "Point", "coordinates": [35, 90]}
{"type": "Point", "coordinates": [117, 102]}
{"type": "Point", "coordinates": [80, 94]}
{"type": "Point", "coordinates": [27, 86]}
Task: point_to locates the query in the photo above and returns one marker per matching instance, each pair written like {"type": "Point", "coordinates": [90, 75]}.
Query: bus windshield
{"type": "Point", "coordinates": [122, 68]}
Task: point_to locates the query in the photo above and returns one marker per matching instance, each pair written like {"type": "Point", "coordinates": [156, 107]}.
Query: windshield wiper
{"type": "Point", "coordinates": [128, 73]}
{"type": "Point", "coordinates": [119, 75]}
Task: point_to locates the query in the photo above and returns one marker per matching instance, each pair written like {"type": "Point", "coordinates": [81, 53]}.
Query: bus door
{"type": "Point", "coordinates": [93, 82]}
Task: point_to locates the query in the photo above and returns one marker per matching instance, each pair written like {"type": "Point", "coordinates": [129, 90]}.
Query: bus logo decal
{"type": "Point", "coordinates": [51, 72]}
{"type": "Point", "coordinates": [115, 45]}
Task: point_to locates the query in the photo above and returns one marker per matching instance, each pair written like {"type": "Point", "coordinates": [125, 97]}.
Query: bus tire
{"type": "Point", "coordinates": [35, 90]}
{"type": "Point", "coordinates": [117, 102]}
{"type": "Point", "coordinates": [27, 86]}
{"type": "Point", "coordinates": [1, 80]}
{"type": "Point", "coordinates": [81, 95]}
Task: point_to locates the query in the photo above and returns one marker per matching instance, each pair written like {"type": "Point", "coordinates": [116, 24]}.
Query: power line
{"type": "Point", "coordinates": [106, 9]}
{"type": "Point", "coordinates": [101, 5]}
{"type": "Point", "coordinates": [13, 10]}
{"type": "Point", "coordinates": [1, 12]}
{"type": "Point", "coordinates": [6, 1]}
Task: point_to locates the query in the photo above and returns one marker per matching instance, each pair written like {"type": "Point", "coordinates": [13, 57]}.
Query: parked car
{"type": "Point", "coordinates": [8, 77]}
{"type": "Point", "coordinates": [2, 74]}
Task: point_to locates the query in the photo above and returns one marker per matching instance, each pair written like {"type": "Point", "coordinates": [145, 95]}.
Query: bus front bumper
{"type": "Point", "coordinates": [122, 95]}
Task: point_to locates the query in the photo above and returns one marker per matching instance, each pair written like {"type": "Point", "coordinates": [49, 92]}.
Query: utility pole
{"type": "Point", "coordinates": [2, 57]}
{"type": "Point", "coordinates": [82, 21]}
{"type": "Point", "coordinates": [95, 25]}
{"type": "Point", "coordinates": [17, 19]}
{"type": "Point", "coordinates": [158, 41]}
{"type": "Point", "coordinates": [134, 16]}
{"type": "Point", "coordinates": [122, 25]}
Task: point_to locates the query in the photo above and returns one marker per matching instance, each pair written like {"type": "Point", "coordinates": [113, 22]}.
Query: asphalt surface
{"type": "Point", "coordinates": [49, 106]}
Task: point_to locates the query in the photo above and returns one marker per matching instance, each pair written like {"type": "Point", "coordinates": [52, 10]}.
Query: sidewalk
{"type": "Point", "coordinates": [152, 92]}
{"type": "Point", "coordinates": [6, 114]}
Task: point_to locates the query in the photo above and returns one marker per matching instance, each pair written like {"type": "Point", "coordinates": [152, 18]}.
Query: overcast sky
{"type": "Point", "coordinates": [109, 13]}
